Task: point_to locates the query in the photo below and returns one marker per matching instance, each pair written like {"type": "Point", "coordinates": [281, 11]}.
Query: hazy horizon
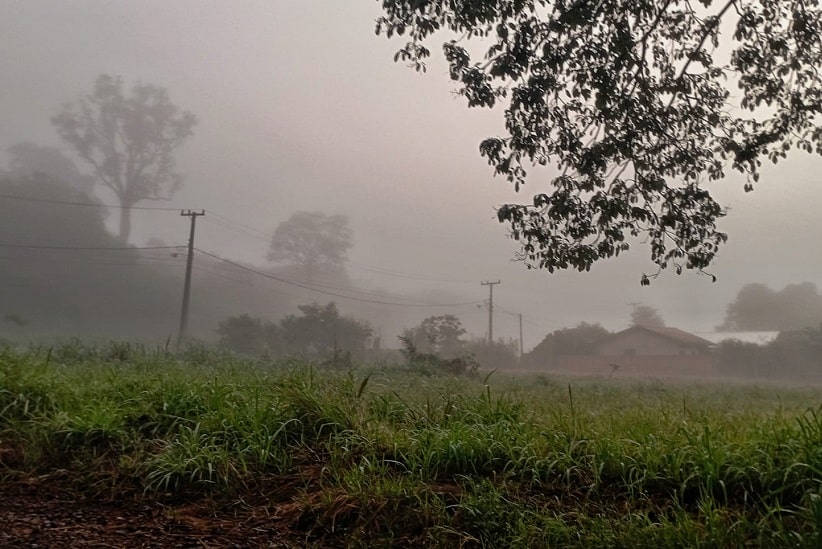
{"type": "Point", "coordinates": [301, 107]}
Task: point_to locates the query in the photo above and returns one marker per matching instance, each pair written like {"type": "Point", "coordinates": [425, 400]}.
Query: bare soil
{"type": "Point", "coordinates": [34, 513]}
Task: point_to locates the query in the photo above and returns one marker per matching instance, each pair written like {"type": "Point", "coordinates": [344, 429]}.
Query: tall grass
{"type": "Point", "coordinates": [432, 460]}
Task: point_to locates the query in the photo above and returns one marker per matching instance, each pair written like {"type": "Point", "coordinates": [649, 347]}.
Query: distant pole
{"type": "Point", "coordinates": [520, 335]}
{"type": "Point", "coordinates": [490, 309]}
{"type": "Point", "coordinates": [187, 287]}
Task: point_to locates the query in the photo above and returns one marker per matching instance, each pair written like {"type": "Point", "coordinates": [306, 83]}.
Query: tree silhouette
{"type": "Point", "coordinates": [647, 317]}
{"type": "Point", "coordinates": [27, 159]}
{"type": "Point", "coordinates": [758, 307]}
{"type": "Point", "coordinates": [628, 100]}
{"type": "Point", "coordinates": [128, 141]}
{"type": "Point", "coordinates": [439, 335]}
{"type": "Point", "coordinates": [312, 241]}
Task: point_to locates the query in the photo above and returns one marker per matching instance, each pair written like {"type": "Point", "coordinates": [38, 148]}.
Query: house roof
{"type": "Point", "coordinates": [672, 334]}
{"type": "Point", "coordinates": [760, 338]}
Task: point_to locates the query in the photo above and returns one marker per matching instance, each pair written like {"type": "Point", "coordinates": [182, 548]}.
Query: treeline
{"type": "Point", "coordinates": [580, 340]}
{"type": "Point", "coordinates": [795, 354]}
{"type": "Point", "coordinates": [62, 273]}
{"type": "Point", "coordinates": [321, 333]}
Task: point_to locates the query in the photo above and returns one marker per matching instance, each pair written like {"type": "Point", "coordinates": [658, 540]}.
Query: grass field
{"type": "Point", "coordinates": [377, 455]}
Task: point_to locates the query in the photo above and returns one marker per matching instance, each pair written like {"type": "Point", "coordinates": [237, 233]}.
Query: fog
{"type": "Point", "coordinates": [301, 108]}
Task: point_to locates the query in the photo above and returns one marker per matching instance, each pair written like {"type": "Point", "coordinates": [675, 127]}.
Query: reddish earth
{"type": "Point", "coordinates": [35, 514]}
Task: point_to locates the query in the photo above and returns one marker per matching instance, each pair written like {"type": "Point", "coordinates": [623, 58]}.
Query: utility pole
{"type": "Point", "coordinates": [520, 335]}
{"type": "Point", "coordinates": [490, 309]}
{"type": "Point", "coordinates": [187, 288]}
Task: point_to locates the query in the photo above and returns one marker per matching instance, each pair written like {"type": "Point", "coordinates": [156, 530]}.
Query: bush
{"type": "Point", "coordinates": [430, 363]}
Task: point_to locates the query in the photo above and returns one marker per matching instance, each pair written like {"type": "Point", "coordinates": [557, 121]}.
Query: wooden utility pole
{"type": "Point", "coordinates": [490, 309]}
{"type": "Point", "coordinates": [187, 287]}
{"type": "Point", "coordinates": [520, 334]}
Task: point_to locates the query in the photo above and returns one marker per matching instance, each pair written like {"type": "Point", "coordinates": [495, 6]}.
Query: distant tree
{"type": "Point", "coordinates": [629, 100]}
{"type": "Point", "coordinates": [43, 223]}
{"type": "Point", "coordinates": [312, 241]}
{"type": "Point", "coordinates": [247, 335]}
{"type": "Point", "coordinates": [15, 318]}
{"type": "Point", "coordinates": [758, 307]}
{"type": "Point", "coordinates": [581, 340]}
{"type": "Point", "coordinates": [647, 317]}
{"type": "Point", "coordinates": [27, 159]}
{"type": "Point", "coordinates": [793, 355]}
{"type": "Point", "coordinates": [501, 353]}
{"type": "Point", "coordinates": [49, 286]}
{"type": "Point", "coordinates": [439, 335]}
{"type": "Point", "coordinates": [128, 141]}
{"type": "Point", "coordinates": [321, 331]}
{"type": "Point", "coordinates": [428, 363]}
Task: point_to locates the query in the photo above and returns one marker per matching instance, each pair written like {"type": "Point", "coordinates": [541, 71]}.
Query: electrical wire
{"type": "Point", "coordinates": [88, 204]}
{"type": "Point", "coordinates": [252, 232]}
{"type": "Point", "coordinates": [80, 248]}
{"type": "Point", "coordinates": [249, 231]}
{"type": "Point", "coordinates": [241, 227]}
{"type": "Point", "coordinates": [398, 274]}
{"type": "Point", "coordinates": [335, 294]}
{"type": "Point", "coordinates": [235, 226]}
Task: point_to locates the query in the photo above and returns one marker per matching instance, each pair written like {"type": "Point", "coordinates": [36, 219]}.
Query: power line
{"type": "Point", "coordinates": [241, 227]}
{"type": "Point", "coordinates": [97, 260]}
{"type": "Point", "coordinates": [80, 248]}
{"type": "Point", "coordinates": [369, 294]}
{"type": "Point", "coordinates": [398, 274]}
{"type": "Point", "coordinates": [86, 204]}
{"type": "Point", "coordinates": [258, 234]}
{"type": "Point", "coordinates": [239, 230]}
{"type": "Point", "coordinates": [235, 226]}
{"type": "Point", "coordinates": [343, 296]}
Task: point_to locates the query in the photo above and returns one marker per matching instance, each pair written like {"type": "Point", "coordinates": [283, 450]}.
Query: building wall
{"type": "Point", "coordinates": [642, 343]}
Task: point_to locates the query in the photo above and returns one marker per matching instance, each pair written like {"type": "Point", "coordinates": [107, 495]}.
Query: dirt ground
{"type": "Point", "coordinates": [36, 514]}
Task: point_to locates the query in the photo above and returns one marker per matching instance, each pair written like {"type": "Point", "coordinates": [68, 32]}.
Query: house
{"type": "Point", "coordinates": [757, 338]}
{"type": "Point", "coordinates": [645, 341]}
{"type": "Point", "coordinates": [644, 352]}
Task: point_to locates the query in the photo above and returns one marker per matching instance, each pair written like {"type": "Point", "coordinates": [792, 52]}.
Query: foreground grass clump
{"type": "Point", "coordinates": [387, 457]}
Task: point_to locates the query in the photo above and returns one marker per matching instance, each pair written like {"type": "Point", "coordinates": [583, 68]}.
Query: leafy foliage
{"type": "Point", "coordinates": [313, 241]}
{"type": "Point", "coordinates": [320, 330]}
{"type": "Point", "coordinates": [431, 362]}
{"type": "Point", "coordinates": [128, 141]}
{"type": "Point", "coordinates": [628, 99]}
{"type": "Point", "coordinates": [439, 335]}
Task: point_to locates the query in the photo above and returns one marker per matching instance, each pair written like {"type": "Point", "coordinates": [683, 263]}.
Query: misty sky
{"type": "Point", "coordinates": [301, 107]}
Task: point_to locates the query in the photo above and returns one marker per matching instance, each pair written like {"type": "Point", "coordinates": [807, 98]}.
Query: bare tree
{"type": "Point", "coordinates": [128, 141]}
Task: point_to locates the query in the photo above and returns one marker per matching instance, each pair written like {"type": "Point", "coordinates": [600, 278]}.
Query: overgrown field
{"type": "Point", "coordinates": [377, 455]}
